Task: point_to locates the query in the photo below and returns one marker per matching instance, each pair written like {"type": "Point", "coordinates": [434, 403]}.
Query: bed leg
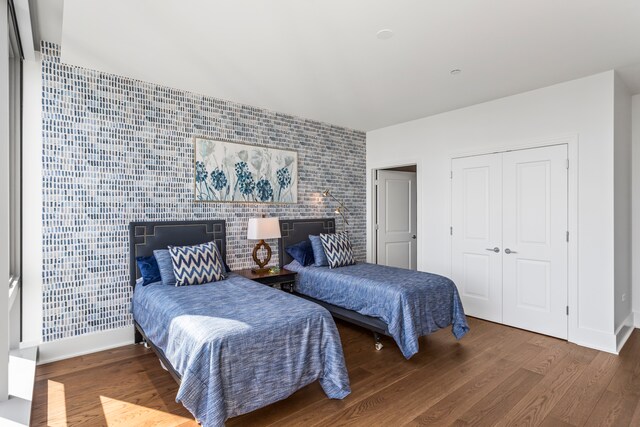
{"type": "Point", "coordinates": [379, 345]}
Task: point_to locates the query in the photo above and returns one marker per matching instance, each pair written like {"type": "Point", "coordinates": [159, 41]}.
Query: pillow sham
{"type": "Point", "coordinates": [338, 249]}
{"type": "Point", "coordinates": [149, 270]}
{"type": "Point", "coordinates": [320, 258]}
{"type": "Point", "coordinates": [196, 265]}
{"type": "Point", "coordinates": [301, 252]}
{"type": "Point", "coordinates": [165, 265]}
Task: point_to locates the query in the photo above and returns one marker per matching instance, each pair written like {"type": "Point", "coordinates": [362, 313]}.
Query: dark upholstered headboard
{"type": "Point", "coordinates": [296, 230]}
{"type": "Point", "coordinates": [145, 237]}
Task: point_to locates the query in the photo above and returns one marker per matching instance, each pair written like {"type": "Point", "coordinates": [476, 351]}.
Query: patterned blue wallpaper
{"type": "Point", "coordinates": [117, 150]}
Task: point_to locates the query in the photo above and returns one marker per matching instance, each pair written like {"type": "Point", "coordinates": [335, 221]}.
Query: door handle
{"type": "Point", "coordinates": [496, 249]}
{"type": "Point", "coordinates": [509, 251]}
{"type": "Point", "coordinates": [413, 237]}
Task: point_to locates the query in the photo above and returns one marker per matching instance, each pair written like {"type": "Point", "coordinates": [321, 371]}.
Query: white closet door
{"type": "Point", "coordinates": [534, 240]}
{"type": "Point", "coordinates": [477, 230]}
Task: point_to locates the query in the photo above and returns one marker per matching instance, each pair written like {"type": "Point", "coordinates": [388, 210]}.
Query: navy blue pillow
{"type": "Point", "coordinates": [149, 269]}
{"type": "Point", "coordinates": [320, 258]}
{"type": "Point", "coordinates": [301, 252]}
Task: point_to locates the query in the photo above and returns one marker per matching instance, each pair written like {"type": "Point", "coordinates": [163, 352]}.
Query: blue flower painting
{"type": "Point", "coordinates": [264, 190]}
{"type": "Point", "coordinates": [233, 172]}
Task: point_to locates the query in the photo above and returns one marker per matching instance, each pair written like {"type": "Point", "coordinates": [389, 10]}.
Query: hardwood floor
{"type": "Point", "coordinates": [495, 376]}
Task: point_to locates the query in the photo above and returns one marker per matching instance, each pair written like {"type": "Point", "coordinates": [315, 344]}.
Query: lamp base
{"type": "Point", "coordinates": [261, 263]}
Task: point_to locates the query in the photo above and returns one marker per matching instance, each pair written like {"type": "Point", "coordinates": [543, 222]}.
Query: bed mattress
{"type": "Point", "coordinates": [239, 345]}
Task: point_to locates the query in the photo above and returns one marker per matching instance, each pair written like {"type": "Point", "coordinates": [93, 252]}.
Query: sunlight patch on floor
{"type": "Point", "coordinates": [121, 413]}
{"type": "Point", "coordinates": [56, 405]}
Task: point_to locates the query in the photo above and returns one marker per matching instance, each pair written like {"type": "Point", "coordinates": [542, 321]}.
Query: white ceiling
{"type": "Point", "coordinates": [321, 59]}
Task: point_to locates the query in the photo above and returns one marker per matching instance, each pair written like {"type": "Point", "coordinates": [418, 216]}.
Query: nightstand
{"type": "Point", "coordinates": [284, 279]}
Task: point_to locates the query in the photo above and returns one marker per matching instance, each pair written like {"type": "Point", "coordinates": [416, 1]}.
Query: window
{"type": "Point", "coordinates": [10, 186]}
{"type": "Point", "coordinates": [15, 151]}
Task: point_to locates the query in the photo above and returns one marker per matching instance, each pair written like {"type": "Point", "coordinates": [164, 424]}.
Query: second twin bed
{"type": "Point", "coordinates": [404, 304]}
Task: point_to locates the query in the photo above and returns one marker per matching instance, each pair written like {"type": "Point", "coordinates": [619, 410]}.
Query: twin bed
{"type": "Point", "coordinates": [403, 304]}
{"type": "Point", "coordinates": [235, 345]}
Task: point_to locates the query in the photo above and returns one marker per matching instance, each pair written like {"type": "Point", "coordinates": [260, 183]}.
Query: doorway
{"type": "Point", "coordinates": [395, 217]}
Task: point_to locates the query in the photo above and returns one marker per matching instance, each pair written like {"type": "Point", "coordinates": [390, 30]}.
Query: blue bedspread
{"type": "Point", "coordinates": [240, 345]}
{"type": "Point", "coordinates": [411, 303]}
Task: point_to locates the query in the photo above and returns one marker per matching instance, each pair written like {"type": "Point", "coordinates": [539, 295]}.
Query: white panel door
{"type": "Point", "coordinates": [477, 234]}
{"type": "Point", "coordinates": [396, 209]}
{"type": "Point", "coordinates": [534, 239]}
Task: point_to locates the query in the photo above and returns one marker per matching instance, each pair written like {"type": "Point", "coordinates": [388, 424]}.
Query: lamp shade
{"type": "Point", "coordinates": [263, 228]}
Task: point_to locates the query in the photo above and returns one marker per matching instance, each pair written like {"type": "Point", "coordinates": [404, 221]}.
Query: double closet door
{"type": "Point", "coordinates": [509, 237]}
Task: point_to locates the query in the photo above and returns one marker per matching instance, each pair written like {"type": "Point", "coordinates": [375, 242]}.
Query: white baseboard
{"type": "Point", "coordinates": [84, 344]}
{"type": "Point", "coordinates": [624, 331]}
{"type": "Point", "coordinates": [636, 319]}
{"type": "Point", "coordinates": [623, 336]}
{"type": "Point", "coordinates": [608, 348]}
{"type": "Point", "coordinates": [597, 340]}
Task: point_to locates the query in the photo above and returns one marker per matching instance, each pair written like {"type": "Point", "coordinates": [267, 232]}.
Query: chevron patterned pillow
{"type": "Point", "coordinates": [196, 265]}
{"type": "Point", "coordinates": [338, 249]}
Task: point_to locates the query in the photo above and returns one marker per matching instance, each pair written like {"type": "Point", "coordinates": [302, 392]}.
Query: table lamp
{"type": "Point", "coordinates": [261, 229]}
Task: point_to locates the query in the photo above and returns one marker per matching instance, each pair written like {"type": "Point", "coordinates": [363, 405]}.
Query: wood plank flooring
{"type": "Point", "coordinates": [495, 376]}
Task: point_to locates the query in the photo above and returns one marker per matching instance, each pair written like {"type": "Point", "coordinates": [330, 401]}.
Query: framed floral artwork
{"type": "Point", "coordinates": [235, 172]}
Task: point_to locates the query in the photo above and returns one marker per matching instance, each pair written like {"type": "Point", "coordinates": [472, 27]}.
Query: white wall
{"type": "Point", "coordinates": [622, 204]}
{"type": "Point", "coordinates": [636, 206]}
{"type": "Point", "coordinates": [581, 109]}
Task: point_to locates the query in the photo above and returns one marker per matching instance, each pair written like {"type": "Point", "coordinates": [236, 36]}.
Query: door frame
{"type": "Point", "coordinates": [571, 141]}
{"type": "Point", "coordinates": [374, 208]}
